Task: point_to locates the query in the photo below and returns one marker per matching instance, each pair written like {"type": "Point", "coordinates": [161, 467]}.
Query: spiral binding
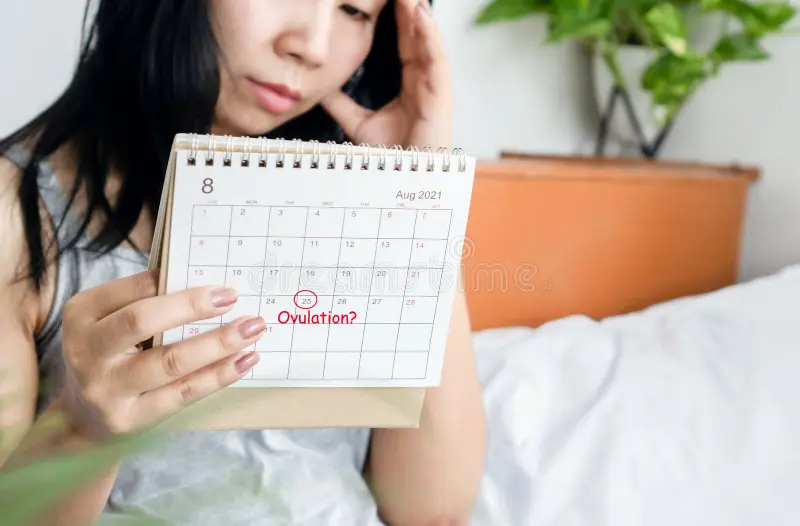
{"type": "Point", "coordinates": [322, 156]}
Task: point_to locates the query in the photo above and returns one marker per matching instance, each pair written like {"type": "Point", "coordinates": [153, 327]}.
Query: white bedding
{"type": "Point", "coordinates": [687, 413]}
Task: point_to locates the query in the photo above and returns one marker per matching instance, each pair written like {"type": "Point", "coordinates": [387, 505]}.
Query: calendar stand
{"type": "Point", "coordinates": [382, 257]}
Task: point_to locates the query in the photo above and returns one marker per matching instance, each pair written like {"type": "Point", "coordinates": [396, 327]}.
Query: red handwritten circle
{"type": "Point", "coordinates": [316, 299]}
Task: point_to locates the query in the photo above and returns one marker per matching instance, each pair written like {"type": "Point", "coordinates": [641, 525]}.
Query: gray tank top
{"type": "Point", "coordinates": [269, 477]}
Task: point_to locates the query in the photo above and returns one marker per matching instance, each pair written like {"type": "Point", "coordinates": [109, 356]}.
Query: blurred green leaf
{"type": "Point", "coordinates": [769, 17]}
{"type": "Point", "coordinates": [570, 29]}
{"type": "Point", "coordinates": [500, 10]}
{"type": "Point", "coordinates": [710, 5]}
{"type": "Point", "coordinates": [579, 19]}
{"type": "Point", "coordinates": [31, 488]}
{"type": "Point", "coordinates": [759, 18]}
{"type": "Point", "coordinates": [669, 25]}
{"type": "Point", "coordinates": [38, 485]}
{"type": "Point", "coordinates": [740, 46]}
{"type": "Point", "coordinates": [583, 9]}
{"type": "Point", "coordinates": [671, 79]}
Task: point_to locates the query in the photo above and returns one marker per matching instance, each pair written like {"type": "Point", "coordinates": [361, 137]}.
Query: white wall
{"type": "Point", "coordinates": [512, 93]}
{"type": "Point", "coordinates": [751, 115]}
{"type": "Point", "coordinates": [40, 40]}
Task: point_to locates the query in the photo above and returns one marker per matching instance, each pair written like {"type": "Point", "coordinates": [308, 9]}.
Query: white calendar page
{"type": "Point", "coordinates": [354, 271]}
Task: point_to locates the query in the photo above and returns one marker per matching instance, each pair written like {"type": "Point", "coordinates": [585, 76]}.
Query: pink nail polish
{"type": "Point", "coordinates": [246, 362]}
{"type": "Point", "coordinates": [250, 328]}
{"type": "Point", "coordinates": [223, 298]}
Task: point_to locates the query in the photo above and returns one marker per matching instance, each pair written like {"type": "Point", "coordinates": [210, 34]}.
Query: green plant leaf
{"type": "Point", "coordinates": [579, 19]}
{"type": "Point", "coordinates": [740, 46]}
{"type": "Point", "coordinates": [28, 490]}
{"type": "Point", "coordinates": [710, 5]}
{"type": "Point", "coordinates": [571, 29]}
{"type": "Point", "coordinates": [757, 18]}
{"type": "Point", "coordinates": [501, 10]}
{"type": "Point", "coordinates": [672, 79]}
{"type": "Point", "coordinates": [583, 9]}
{"type": "Point", "coordinates": [769, 17]}
{"type": "Point", "coordinates": [669, 25]}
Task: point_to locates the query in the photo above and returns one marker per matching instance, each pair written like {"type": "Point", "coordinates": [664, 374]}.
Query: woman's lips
{"type": "Point", "coordinates": [275, 98]}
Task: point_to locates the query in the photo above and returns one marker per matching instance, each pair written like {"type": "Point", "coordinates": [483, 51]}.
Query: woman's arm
{"type": "Point", "coordinates": [84, 503]}
{"type": "Point", "coordinates": [21, 439]}
{"type": "Point", "coordinates": [430, 475]}
{"type": "Point", "coordinates": [112, 390]}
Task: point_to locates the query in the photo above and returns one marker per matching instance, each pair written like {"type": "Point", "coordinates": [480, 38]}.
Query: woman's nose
{"type": "Point", "coordinates": [307, 36]}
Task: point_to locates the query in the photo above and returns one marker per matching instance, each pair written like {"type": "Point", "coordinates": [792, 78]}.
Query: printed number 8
{"type": "Point", "coordinates": [208, 185]}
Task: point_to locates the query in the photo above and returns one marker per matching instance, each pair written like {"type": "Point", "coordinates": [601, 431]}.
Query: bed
{"type": "Point", "coordinates": [644, 385]}
{"type": "Point", "coordinates": [685, 412]}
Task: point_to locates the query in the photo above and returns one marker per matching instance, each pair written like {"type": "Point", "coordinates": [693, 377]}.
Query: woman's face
{"type": "Point", "coordinates": [279, 58]}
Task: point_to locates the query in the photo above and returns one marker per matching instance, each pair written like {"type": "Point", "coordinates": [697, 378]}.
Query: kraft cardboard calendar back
{"type": "Point", "coordinates": [329, 244]}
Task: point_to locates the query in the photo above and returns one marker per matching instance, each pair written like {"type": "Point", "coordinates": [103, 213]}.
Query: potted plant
{"type": "Point", "coordinates": [645, 60]}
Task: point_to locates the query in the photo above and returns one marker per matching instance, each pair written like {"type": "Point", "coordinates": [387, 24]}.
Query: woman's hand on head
{"type": "Point", "coordinates": [422, 114]}
{"type": "Point", "coordinates": [113, 387]}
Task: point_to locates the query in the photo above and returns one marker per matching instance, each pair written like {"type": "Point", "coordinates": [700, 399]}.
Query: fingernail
{"type": "Point", "coordinates": [250, 328]}
{"type": "Point", "coordinates": [223, 298]}
{"type": "Point", "coordinates": [246, 362]}
{"type": "Point", "coordinates": [426, 6]}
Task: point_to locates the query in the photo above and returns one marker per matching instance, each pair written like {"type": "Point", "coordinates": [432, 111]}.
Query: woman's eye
{"type": "Point", "coordinates": [355, 12]}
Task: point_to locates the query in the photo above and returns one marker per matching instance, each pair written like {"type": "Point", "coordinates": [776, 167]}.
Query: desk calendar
{"type": "Point", "coordinates": [350, 253]}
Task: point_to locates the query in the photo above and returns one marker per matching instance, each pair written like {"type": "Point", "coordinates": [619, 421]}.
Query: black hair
{"type": "Point", "coordinates": [147, 70]}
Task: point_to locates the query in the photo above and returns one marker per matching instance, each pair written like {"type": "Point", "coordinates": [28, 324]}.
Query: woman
{"type": "Point", "coordinates": [86, 176]}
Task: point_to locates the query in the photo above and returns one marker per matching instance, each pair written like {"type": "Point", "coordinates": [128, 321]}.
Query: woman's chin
{"type": "Point", "coordinates": [252, 127]}
{"type": "Point", "coordinates": [253, 122]}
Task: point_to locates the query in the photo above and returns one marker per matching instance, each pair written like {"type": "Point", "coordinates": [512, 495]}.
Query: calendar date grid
{"type": "Point", "coordinates": [385, 340]}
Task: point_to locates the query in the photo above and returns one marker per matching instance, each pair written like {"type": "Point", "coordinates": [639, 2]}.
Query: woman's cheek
{"type": "Point", "coordinates": [346, 56]}
{"type": "Point", "coordinates": [243, 29]}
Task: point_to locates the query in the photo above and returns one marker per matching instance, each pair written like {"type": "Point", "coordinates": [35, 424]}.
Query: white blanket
{"type": "Point", "coordinates": [687, 413]}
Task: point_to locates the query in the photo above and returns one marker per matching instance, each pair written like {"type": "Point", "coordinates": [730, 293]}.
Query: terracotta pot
{"type": "Point", "coordinates": [549, 237]}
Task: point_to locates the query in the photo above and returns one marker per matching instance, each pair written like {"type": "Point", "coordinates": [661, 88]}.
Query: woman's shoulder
{"type": "Point", "coordinates": [19, 316]}
{"type": "Point", "coordinates": [21, 302]}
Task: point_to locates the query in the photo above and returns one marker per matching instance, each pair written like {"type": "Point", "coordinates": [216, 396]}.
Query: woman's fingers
{"type": "Point", "coordinates": [185, 391]}
{"type": "Point", "coordinates": [418, 35]}
{"type": "Point", "coordinates": [426, 86]}
{"type": "Point", "coordinates": [139, 321]}
{"type": "Point", "coordinates": [422, 53]}
{"type": "Point", "coordinates": [405, 14]}
{"type": "Point", "coordinates": [348, 113]}
{"type": "Point", "coordinates": [430, 46]}
{"type": "Point", "coordinates": [98, 302]}
{"type": "Point", "coordinates": [159, 366]}
{"type": "Point", "coordinates": [429, 38]}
